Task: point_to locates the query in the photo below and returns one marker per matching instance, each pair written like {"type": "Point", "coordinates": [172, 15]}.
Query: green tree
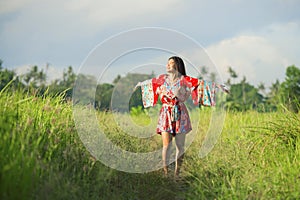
{"type": "Point", "coordinates": [212, 76]}
{"type": "Point", "coordinates": [117, 79]}
{"type": "Point", "coordinates": [274, 89]}
{"type": "Point", "coordinates": [103, 96]}
{"type": "Point", "coordinates": [203, 71]}
{"type": "Point", "coordinates": [232, 73]}
{"type": "Point", "coordinates": [85, 89]}
{"type": "Point", "coordinates": [69, 78]}
{"type": "Point", "coordinates": [7, 76]}
{"type": "Point", "coordinates": [65, 85]}
{"type": "Point", "coordinates": [244, 96]}
{"type": "Point", "coordinates": [123, 96]}
{"type": "Point", "coordinates": [35, 78]}
{"type": "Point", "coordinates": [261, 87]}
{"type": "Point", "coordinates": [290, 88]}
{"type": "Point", "coordinates": [273, 97]}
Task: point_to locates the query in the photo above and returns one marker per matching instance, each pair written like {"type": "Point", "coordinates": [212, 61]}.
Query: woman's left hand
{"type": "Point", "coordinates": [223, 88]}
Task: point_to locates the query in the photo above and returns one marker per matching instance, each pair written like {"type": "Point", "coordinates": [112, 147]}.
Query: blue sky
{"type": "Point", "coordinates": [259, 39]}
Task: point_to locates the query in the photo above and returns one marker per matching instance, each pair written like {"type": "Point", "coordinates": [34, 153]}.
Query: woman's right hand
{"type": "Point", "coordinates": [137, 85]}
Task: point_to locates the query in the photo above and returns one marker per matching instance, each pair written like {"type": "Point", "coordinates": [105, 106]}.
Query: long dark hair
{"type": "Point", "coordinates": [180, 64]}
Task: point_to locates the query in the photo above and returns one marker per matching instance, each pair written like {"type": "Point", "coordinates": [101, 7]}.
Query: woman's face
{"type": "Point", "coordinates": [171, 66]}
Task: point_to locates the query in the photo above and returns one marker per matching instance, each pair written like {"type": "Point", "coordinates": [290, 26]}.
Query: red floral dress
{"type": "Point", "coordinates": [173, 116]}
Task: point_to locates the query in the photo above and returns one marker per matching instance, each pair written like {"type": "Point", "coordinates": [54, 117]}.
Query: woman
{"type": "Point", "coordinates": [174, 88]}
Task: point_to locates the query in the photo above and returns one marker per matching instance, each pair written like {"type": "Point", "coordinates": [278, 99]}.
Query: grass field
{"type": "Point", "coordinates": [256, 157]}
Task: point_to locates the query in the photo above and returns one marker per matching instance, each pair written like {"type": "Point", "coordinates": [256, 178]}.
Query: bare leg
{"type": "Point", "coordinates": [180, 141]}
{"type": "Point", "coordinates": [166, 138]}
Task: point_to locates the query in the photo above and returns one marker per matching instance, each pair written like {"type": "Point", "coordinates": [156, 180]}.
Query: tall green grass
{"type": "Point", "coordinates": [257, 157]}
{"type": "Point", "coordinates": [41, 156]}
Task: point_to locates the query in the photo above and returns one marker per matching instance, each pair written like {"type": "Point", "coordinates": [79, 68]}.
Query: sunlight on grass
{"type": "Point", "coordinates": [256, 157]}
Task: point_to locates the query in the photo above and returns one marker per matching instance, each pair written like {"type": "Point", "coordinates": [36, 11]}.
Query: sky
{"type": "Point", "coordinates": [257, 38]}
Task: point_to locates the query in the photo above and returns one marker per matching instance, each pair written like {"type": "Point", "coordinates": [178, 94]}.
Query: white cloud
{"type": "Point", "coordinates": [65, 31]}
{"type": "Point", "coordinates": [62, 20]}
{"type": "Point", "coordinates": [13, 5]}
{"type": "Point", "coordinates": [261, 56]}
{"type": "Point", "coordinates": [102, 12]}
{"type": "Point", "coordinates": [286, 38]}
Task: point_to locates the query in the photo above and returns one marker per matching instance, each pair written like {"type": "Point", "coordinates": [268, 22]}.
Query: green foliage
{"type": "Point", "coordinates": [34, 78]}
{"type": "Point", "coordinates": [137, 111]}
{"type": "Point", "coordinates": [123, 96]}
{"type": "Point", "coordinates": [42, 156]}
{"type": "Point", "coordinates": [69, 78]}
{"type": "Point", "coordinates": [287, 92]}
{"type": "Point", "coordinates": [103, 96]}
{"type": "Point", "coordinates": [136, 99]}
{"type": "Point", "coordinates": [32, 129]}
{"type": "Point", "coordinates": [243, 96]}
{"type": "Point", "coordinates": [252, 160]}
{"type": "Point", "coordinates": [9, 79]}
{"type": "Point", "coordinates": [232, 73]}
{"type": "Point", "coordinates": [274, 98]}
{"type": "Point", "coordinates": [120, 95]}
{"type": "Point", "coordinates": [290, 88]}
{"type": "Point", "coordinates": [284, 131]}
{"type": "Point", "coordinates": [64, 86]}
{"type": "Point", "coordinates": [85, 89]}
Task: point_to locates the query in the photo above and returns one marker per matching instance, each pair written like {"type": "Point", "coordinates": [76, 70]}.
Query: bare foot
{"type": "Point", "coordinates": [165, 171]}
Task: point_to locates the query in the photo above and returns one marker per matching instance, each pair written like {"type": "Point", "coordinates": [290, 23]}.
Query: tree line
{"type": "Point", "coordinates": [243, 95]}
